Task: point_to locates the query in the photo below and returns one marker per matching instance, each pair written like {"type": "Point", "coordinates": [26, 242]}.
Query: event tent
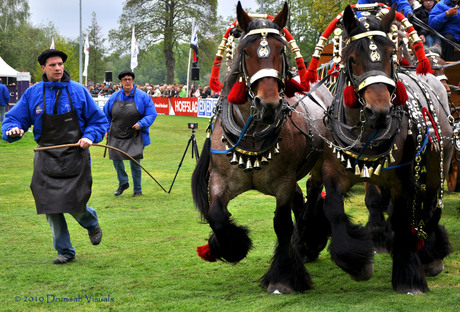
{"type": "Point", "coordinates": [6, 70]}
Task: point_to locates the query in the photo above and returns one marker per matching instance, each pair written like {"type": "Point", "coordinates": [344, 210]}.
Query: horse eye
{"type": "Point", "coordinates": [352, 60]}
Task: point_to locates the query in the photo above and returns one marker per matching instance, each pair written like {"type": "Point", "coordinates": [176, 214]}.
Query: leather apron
{"type": "Point", "coordinates": [122, 135]}
{"type": "Point", "coordinates": [61, 182]}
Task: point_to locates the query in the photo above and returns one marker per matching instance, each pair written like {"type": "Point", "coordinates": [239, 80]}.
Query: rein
{"type": "Point", "coordinates": [44, 148]}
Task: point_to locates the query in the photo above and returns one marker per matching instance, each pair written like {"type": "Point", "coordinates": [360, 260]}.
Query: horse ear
{"type": "Point", "coordinates": [281, 18]}
{"type": "Point", "coordinates": [389, 18]}
{"type": "Point", "coordinates": [243, 17]}
{"type": "Point", "coordinates": [349, 20]}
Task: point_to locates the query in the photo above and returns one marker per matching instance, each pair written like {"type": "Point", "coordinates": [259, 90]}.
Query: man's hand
{"type": "Point", "coordinates": [15, 132]}
{"type": "Point", "coordinates": [85, 143]}
{"type": "Point", "coordinates": [452, 11]}
{"type": "Point", "coordinates": [137, 127]}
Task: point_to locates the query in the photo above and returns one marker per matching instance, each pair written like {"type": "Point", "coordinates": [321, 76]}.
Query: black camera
{"type": "Point", "coordinates": [193, 125]}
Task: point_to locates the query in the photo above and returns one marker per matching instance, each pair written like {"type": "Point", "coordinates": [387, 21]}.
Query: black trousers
{"type": "Point", "coordinates": [447, 49]}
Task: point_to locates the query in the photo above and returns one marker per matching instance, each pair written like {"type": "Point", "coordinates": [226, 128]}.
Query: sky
{"type": "Point", "coordinates": [65, 14]}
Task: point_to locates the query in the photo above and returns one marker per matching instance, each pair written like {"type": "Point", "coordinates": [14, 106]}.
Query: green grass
{"type": "Point", "coordinates": [147, 259]}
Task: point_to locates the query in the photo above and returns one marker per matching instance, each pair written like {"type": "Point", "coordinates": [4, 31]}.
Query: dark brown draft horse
{"type": "Point", "coordinates": [388, 137]}
{"type": "Point", "coordinates": [261, 144]}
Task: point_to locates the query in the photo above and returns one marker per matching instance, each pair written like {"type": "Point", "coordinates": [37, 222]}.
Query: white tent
{"type": "Point", "coordinates": [6, 70]}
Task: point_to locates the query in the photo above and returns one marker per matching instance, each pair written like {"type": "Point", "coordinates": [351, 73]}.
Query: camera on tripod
{"type": "Point", "coordinates": [193, 125]}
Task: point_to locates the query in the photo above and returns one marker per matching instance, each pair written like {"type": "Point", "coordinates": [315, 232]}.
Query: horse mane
{"type": "Point", "coordinates": [235, 71]}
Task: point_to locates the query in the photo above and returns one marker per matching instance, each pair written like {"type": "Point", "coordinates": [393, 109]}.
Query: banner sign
{"type": "Point", "coordinates": [161, 105]}
{"type": "Point", "coordinates": [206, 107]}
{"type": "Point", "coordinates": [184, 106]}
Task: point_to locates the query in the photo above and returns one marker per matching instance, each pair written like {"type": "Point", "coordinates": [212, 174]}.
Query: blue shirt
{"type": "Point", "coordinates": [443, 24]}
{"type": "Point", "coordinates": [402, 5]}
{"type": "Point", "coordinates": [4, 95]}
{"type": "Point", "coordinates": [29, 110]}
{"type": "Point", "coordinates": [144, 105]}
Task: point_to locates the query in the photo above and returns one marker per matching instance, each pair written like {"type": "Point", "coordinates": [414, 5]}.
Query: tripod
{"type": "Point", "coordinates": [194, 150]}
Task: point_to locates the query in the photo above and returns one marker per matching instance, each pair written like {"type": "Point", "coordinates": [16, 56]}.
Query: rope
{"type": "Point", "coordinates": [44, 148]}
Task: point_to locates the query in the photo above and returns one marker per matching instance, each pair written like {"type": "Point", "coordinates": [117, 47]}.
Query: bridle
{"type": "Point", "coordinates": [263, 51]}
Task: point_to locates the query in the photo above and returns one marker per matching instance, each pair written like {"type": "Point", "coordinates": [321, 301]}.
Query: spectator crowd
{"type": "Point", "coordinates": [165, 90]}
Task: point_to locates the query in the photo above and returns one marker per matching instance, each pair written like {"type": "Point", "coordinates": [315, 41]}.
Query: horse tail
{"type": "Point", "coordinates": [200, 180]}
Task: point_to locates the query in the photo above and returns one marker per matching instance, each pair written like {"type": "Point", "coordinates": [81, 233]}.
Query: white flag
{"type": "Point", "coordinates": [134, 51]}
{"type": "Point", "coordinates": [86, 51]}
{"type": "Point", "coordinates": [52, 43]}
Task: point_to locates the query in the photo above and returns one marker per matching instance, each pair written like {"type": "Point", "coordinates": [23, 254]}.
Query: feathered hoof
{"type": "Point", "coordinates": [279, 288]}
{"type": "Point", "coordinates": [365, 274]}
{"type": "Point", "coordinates": [434, 268]}
{"type": "Point", "coordinates": [408, 291]}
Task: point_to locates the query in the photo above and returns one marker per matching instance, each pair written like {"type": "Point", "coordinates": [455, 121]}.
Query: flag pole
{"type": "Point", "coordinates": [188, 65]}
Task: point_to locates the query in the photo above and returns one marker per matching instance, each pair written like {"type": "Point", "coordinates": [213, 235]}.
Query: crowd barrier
{"type": "Point", "coordinates": [188, 106]}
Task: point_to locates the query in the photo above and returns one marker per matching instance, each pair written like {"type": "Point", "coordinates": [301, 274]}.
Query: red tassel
{"type": "Point", "coordinates": [424, 66]}
{"type": "Point", "coordinates": [292, 86]}
{"type": "Point", "coordinates": [404, 62]}
{"type": "Point", "coordinates": [302, 74]}
{"type": "Point", "coordinates": [214, 82]}
{"type": "Point", "coordinates": [401, 94]}
{"type": "Point", "coordinates": [350, 99]}
{"type": "Point", "coordinates": [205, 253]}
{"type": "Point", "coordinates": [323, 194]}
{"type": "Point", "coordinates": [237, 94]}
{"type": "Point", "coordinates": [312, 70]}
{"type": "Point", "coordinates": [334, 68]}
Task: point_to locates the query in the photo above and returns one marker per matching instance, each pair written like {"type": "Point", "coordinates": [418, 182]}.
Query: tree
{"type": "Point", "coordinates": [96, 65]}
{"type": "Point", "coordinates": [166, 21]}
{"type": "Point", "coordinates": [12, 14]}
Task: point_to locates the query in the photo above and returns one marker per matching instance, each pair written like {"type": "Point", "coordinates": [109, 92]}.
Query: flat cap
{"type": "Point", "coordinates": [49, 53]}
{"type": "Point", "coordinates": [126, 73]}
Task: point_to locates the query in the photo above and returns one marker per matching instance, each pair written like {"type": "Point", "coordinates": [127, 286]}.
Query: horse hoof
{"type": "Point", "coordinates": [434, 268]}
{"type": "Point", "coordinates": [409, 291]}
{"type": "Point", "coordinates": [279, 288]}
{"type": "Point", "coordinates": [365, 274]}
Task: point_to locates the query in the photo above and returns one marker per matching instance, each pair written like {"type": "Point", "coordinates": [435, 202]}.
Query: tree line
{"type": "Point", "coordinates": [163, 31]}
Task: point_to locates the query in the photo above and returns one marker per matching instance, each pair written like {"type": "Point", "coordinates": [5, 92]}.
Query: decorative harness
{"type": "Point", "coordinates": [253, 144]}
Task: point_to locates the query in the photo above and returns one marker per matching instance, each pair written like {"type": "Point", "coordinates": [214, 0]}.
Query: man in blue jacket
{"type": "Point", "coordinates": [62, 112]}
{"type": "Point", "coordinates": [130, 112]}
{"type": "Point", "coordinates": [444, 18]}
{"type": "Point", "coordinates": [402, 5]}
{"type": "Point", "coordinates": [4, 99]}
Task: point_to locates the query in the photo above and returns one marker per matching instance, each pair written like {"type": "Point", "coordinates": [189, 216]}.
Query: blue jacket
{"type": "Point", "coordinates": [403, 5]}
{"type": "Point", "coordinates": [443, 24]}
{"type": "Point", "coordinates": [4, 95]}
{"type": "Point", "coordinates": [144, 105]}
{"type": "Point", "coordinates": [29, 109]}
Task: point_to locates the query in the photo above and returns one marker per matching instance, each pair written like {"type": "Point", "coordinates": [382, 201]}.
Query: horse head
{"type": "Point", "coordinates": [262, 62]}
{"type": "Point", "coordinates": [369, 65]}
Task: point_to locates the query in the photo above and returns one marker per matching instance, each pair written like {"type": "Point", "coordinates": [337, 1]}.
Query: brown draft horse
{"type": "Point", "coordinates": [392, 139]}
{"type": "Point", "coordinates": [262, 144]}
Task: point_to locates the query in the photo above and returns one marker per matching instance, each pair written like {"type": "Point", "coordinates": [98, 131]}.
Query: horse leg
{"type": "Point", "coordinates": [377, 200]}
{"type": "Point", "coordinates": [228, 241]}
{"type": "Point", "coordinates": [287, 272]}
{"type": "Point", "coordinates": [407, 274]}
{"type": "Point", "coordinates": [312, 227]}
{"type": "Point", "coordinates": [351, 247]}
{"type": "Point", "coordinates": [436, 246]}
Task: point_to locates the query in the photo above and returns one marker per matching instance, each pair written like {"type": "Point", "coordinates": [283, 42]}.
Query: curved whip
{"type": "Point", "coordinates": [44, 148]}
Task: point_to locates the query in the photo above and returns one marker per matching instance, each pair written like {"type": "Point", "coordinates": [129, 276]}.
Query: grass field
{"type": "Point", "coordinates": [147, 259]}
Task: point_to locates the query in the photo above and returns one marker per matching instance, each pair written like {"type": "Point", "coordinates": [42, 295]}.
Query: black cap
{"type": "Point", "coordinates": [49, 53]}
{"type": "Point", "coordinates": [126, 73]}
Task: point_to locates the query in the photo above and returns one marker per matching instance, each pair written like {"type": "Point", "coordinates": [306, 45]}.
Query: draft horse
{"type": "Point", "coordinates": [259, 140]}
{"type": "Point", "coordinates": [388, 128]}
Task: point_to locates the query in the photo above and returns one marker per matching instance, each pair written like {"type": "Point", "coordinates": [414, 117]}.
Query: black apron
{"type": "Point", "coordinates": [122, 135]}
{"type": "Point", "coordinates": [62, 179]}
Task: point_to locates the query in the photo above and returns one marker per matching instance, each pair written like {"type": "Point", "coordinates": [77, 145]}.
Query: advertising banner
{"type": "Point", "coordinates": [206, 107]}
{"type": "Point", "coordinates": [184, 106]}
{"type": "Point", "coordinates": [161, 105]}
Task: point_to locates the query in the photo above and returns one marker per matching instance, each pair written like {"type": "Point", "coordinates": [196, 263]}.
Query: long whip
{"type": "Point", "coordinates": [44, 148]}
